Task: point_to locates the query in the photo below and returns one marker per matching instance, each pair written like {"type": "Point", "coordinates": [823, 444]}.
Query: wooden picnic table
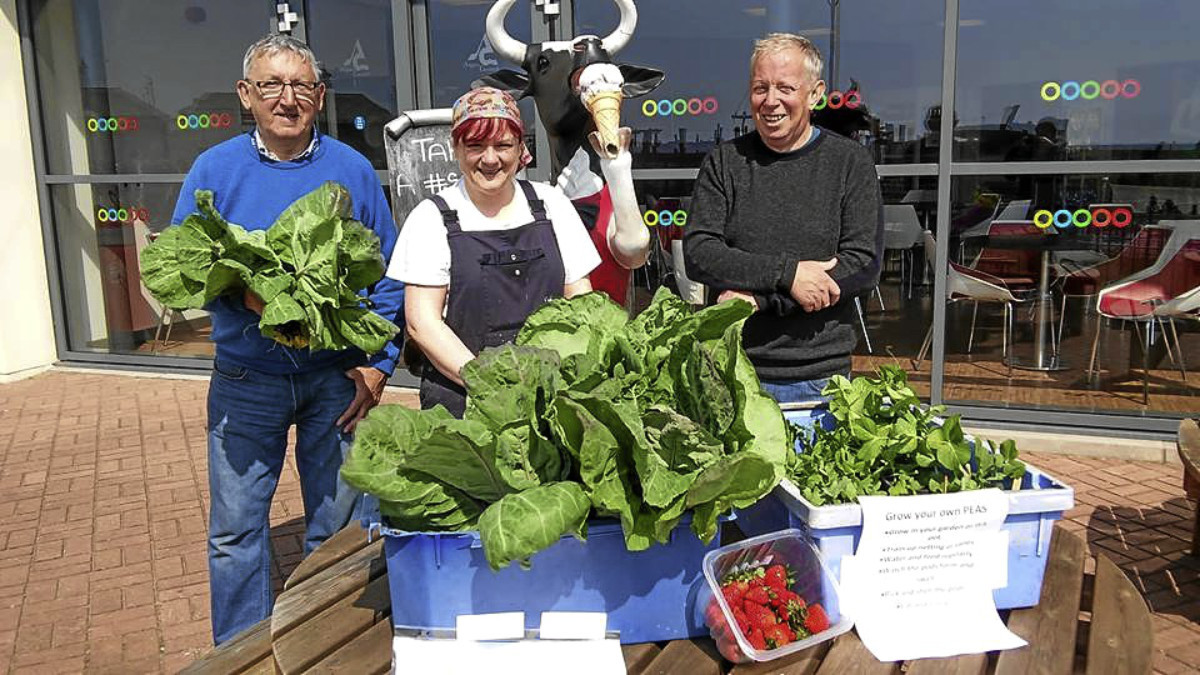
{"type": "Point", "coordinates": [334, 615]}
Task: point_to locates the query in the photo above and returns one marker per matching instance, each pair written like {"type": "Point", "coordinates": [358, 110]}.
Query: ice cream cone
{"type": "Point", "coordinates": [605, 107]}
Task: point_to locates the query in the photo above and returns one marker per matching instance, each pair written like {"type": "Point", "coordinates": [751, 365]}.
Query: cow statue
{"type": "Point", "coordinates": [578, 91]}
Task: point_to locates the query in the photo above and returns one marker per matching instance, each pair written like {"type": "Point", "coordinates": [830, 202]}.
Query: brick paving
{"type": "Point", "coordinates": [104, 500]}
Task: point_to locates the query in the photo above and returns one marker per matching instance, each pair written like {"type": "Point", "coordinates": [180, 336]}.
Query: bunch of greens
{"type": "Point", "coordinates": [590, 413]}
{"type": "Point", "coordinates": [886, 443]}
{"type": "Point", "coordinates": [308, 268]}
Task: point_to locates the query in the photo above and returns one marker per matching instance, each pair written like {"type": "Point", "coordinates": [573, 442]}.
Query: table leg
{"type": "Point", "coordinates": [1044, 358]}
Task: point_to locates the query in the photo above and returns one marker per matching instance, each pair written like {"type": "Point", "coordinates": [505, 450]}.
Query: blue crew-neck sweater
{"type": "Point", "coordinates": [252, 191]}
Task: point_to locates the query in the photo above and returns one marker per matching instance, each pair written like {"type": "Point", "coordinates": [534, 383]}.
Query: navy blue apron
{"type": "Point", "coordinates": [497, 279]}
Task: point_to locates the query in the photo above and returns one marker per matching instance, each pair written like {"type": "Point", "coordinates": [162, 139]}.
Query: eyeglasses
{"type": "Point", "coordinates": [269, 89]}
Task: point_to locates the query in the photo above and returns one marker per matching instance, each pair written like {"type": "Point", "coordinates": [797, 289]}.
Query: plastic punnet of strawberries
{"type": "Point", "coordinates": [766, 611]}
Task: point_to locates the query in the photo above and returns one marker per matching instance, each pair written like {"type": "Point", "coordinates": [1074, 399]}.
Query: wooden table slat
{"type": "Point", "coordinates": [1120, 639]}
{"type": "Point", "coordinates": [321, 635]}
{"type": "Point", "coordinates": [637, 657]}
{"type": "Point", "coordinates": [687, 657]}
{"type": "Point", "coordinates": [370, 652]}
{"type": "Point", "coordinates": [249, 649]}
{"type": "Point", "coordinates": [849, 655]}
{"type": "Point", "coordinates": [346, 541]}
{"type": "Point", "coordinates": [297, 604]}
{"type": "Point", "coordinates": [968, 664]}
{"type": "Point", "coordinates": [337, 619]}
{"type": "Point", "coordinates": [1050, 626]}
{"type": "Point", "coordinates": [803, 662]}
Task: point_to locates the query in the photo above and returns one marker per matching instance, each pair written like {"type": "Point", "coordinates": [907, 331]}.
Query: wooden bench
{"type": "Point", "coordinates": [1188, 442]}
{"type": "Point", "coordinates": [335, 615]}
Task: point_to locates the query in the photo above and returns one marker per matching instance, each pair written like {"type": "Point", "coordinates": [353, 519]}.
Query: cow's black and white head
{"type": "Point", "coordinates": [551, 75]}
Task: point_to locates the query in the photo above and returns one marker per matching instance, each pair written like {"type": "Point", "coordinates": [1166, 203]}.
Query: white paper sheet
{"type": "Point", "coordinates": [920, 583]}
{"type": "Point", "coordinates": [497, 626]}
{"type": "Point", "coordinates": [527, 657]}
{"type": "Point", "coordinates": [573, 625]}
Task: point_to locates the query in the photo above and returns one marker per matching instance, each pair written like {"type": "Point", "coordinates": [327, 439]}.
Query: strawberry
{"type": "Point", "coordinates": [816, 621]}
{"type": "Point", "coordinates": [787, 597]}
{"type": "Point", "coordinates": [777, 636]}
{"type": "Point", "coordinates": [759, 616]}
{"type": "Point", "coordinates": [743, 621]}
{"type": "Point", "coordinates": [712, 613]}
{"type": "Point", "coordinates": [756, 639]}
{"type": "Point", "coordinates": [776, 577]}
{"type": "Point", "coordinates": [758, 595]}
{"type": "Point", "coordinates": [737, 589]}
{"type": "Point", "coordinates": [733, 595]}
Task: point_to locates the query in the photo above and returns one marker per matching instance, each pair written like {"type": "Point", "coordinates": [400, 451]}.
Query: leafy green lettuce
{"type": "Point", "coordinates": [308, 268]}
{"type": "Point", "coordinates": [589, 413]}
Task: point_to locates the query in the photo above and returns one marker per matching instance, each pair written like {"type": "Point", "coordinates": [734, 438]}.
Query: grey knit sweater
{"type": "Point", "coordinates": [756, 213]}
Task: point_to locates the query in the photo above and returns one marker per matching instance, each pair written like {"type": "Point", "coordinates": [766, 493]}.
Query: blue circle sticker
{"type": "Point", "coordinates": [360, 122]}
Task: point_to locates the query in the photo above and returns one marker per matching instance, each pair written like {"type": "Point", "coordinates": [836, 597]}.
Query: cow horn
{"type": "Point", "coordinates": [503, 43]}
{"type": "Point", "coordinates": [617, 39]}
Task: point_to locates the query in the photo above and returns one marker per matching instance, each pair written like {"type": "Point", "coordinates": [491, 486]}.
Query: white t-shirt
{"type": "Point", "coordinates": [422, 252]}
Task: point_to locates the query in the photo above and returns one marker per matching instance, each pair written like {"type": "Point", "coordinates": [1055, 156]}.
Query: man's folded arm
{"type": "Point", "coordinates": [706, 252]}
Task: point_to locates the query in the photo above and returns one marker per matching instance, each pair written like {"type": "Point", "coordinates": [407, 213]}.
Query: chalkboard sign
{"type": "Point", "coordinates": [419, 157]}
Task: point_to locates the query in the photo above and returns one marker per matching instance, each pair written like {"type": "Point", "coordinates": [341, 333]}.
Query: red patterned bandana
{"type": "Point", "coordinates": [489, 102]}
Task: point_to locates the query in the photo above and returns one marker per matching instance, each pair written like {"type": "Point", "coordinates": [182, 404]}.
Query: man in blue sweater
{"type": "Point", "coordinates": [260, 388]}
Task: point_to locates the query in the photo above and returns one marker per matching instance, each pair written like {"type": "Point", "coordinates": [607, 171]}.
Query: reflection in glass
{"type": "Point", "coordinates": [898, 313]}
{"type": "Point", "coordinates": [115, 102]}
{"type": "Point", "coordinates": [353, 40]}
{"type": "Point", "coordinates": [883, 71]}
{"type": "Point", "coordinates": [460, 52]}
{"type": "Point", "coordinates": [1093, 267]}
{"type": "Point", "coordinates": [101, 230]}
{"type": "Point", "coordinates": [1043, 80]}
{"type": "Point", "coordinates": [665, 206]}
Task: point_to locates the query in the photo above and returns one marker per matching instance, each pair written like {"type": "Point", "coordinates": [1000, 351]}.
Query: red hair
{"type": "Point", "coordinates": [482, 129]}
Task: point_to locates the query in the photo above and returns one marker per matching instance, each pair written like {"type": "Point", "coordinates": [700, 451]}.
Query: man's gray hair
{"type": "Point", "coordinates": [778, 42]}
{"type": "Point", "coordinates": [274, 44]}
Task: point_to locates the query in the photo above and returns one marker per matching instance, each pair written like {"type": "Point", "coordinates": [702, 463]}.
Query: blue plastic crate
{"type": "Point", "coordinates": [835, 529]}
{"type": "Point", "coordinates": [649, 595]}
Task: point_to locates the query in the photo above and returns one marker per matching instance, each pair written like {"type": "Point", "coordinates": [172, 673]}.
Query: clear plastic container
{"type": "Point", "coordinates": [813, 582]}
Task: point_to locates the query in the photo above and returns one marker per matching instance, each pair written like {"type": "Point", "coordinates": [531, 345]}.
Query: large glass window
{"type": "Point", "coordinates": [353, 39]}
{"type": "Point", "coordinates": [460, 53]}
{"type": "Point", "coordinates": [101, 230]}
{"type": "Point", "coordinates": [887, 54]}
{"type": "Point", "coordinates": [1056, 291]}
{"type": "Point", "coordinates": [1063, 80]}
{"type": "Point", "coordinates": [131, 86]}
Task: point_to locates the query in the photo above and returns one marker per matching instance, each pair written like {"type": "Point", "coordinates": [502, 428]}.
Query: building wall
{"type": "Point", "coordinates": [27, 336]}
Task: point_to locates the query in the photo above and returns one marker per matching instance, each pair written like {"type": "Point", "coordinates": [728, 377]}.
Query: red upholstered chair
{"type": "Point", "coordinates": [1141, 252]}
{"type": "Point", "coordinates": [1019, 268]}
{"type": "Point", "coordinates": [1170, 282]}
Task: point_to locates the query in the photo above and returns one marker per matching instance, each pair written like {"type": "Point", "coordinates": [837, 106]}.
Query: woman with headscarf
{"type": "Point", "coordinates": [480, 256]}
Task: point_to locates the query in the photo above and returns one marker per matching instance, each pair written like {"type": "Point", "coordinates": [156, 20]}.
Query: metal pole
{"type": "Point", "coordinates": [835, 21]}
{"type": "Point", "coordinates": [945, 157]}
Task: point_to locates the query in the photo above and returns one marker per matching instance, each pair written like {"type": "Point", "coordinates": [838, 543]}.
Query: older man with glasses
{"type": "Point", "coordinates": [259, 388]}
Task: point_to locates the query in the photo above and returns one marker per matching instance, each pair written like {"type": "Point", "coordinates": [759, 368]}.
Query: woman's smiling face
{"type": "Point", "coordinates": [489, 165]}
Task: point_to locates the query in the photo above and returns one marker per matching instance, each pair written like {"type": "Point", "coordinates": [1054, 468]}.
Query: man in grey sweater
{"type": "Point", "coordinates": [789, 218]}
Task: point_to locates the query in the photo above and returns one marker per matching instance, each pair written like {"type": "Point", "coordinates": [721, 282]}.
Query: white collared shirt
{"type": "Point", "coordinates": [266, 152]}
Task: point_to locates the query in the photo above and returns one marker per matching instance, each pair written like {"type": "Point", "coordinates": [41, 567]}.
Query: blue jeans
{"type": "Point", "coordinates": [249, 414]}
{"type": "Point", "coordinates": [796, 391]}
